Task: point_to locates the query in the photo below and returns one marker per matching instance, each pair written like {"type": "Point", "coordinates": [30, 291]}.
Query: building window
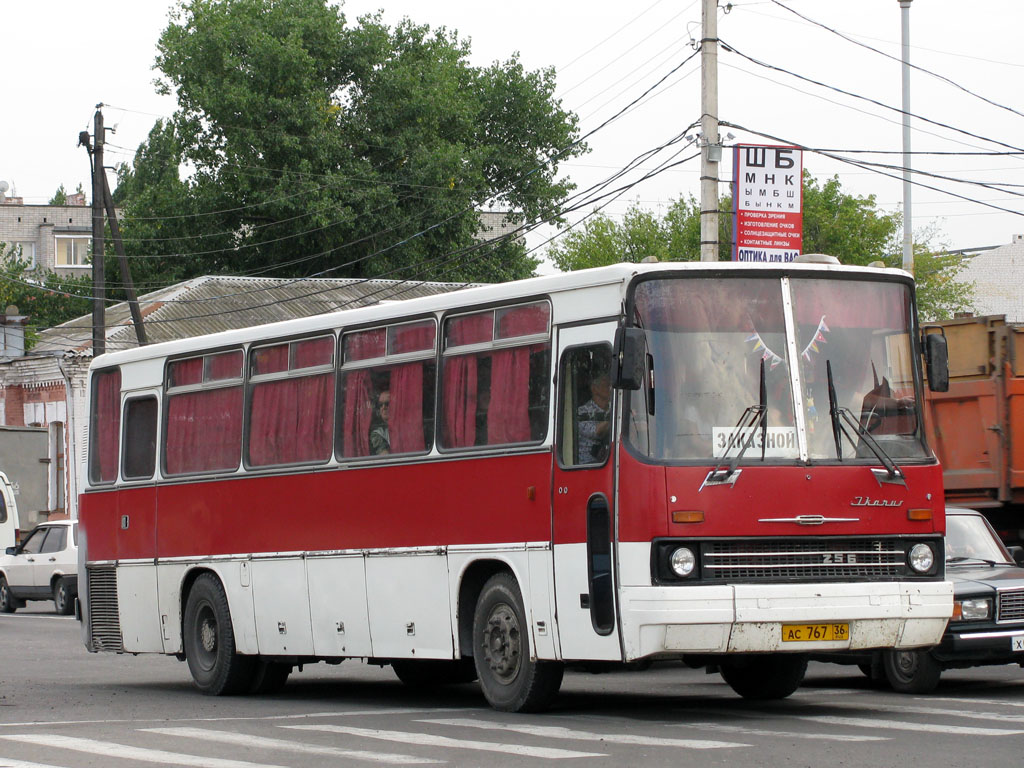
{"type": "Point", "coordinates": [23, 251]}
{"type": "Point", "coordinates": [72, 251]}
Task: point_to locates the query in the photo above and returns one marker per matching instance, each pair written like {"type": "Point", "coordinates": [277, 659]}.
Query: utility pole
{"type": "Point", "coordinates": [711, 147]}
{"type": "Point", "coordinates": [99, 293]}
{"type": "Point", "coordinates": [122, 259]}
{"type": "Point", "coordinates": [908, 232]}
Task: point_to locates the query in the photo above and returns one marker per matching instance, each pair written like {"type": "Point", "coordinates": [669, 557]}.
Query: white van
{"type": "Point", "coordinates": [8, 514]}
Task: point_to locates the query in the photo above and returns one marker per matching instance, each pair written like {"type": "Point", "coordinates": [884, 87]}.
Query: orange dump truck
{"type": "Point", "coordinates": [977, 427]}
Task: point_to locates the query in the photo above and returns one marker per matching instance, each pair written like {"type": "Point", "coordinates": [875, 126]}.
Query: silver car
{"type": "Point", "coordinates": [43, 567]}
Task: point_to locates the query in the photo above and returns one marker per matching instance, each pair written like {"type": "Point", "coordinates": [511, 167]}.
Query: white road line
{"type": "Point", "coordinates": [112, 749]}
{"type": "Point", "coordinates": [6, 762]}
{"type": "Point", "coordinates": [257, 718]}
{"type": "Point", "coordinates": [428, 740]}
{"type": "Point", "coordinates": [971, 702]}
{"type": "Point", "coordinates": [782, 734]}
{"type": "Point", "coordinates": [556, 732]}
{"type": "Point", "coordinates": [248, 740]}
{"type": "Point", "coordinates": [901, 725]}
{"type": "Point", "coordinates": [998, 717]}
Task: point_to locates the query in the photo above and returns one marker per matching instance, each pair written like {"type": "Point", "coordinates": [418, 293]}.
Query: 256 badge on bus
{"type": "Point", "coordinates": [806, 633]}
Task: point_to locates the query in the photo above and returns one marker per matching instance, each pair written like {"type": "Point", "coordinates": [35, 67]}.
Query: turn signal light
{"type": "Point", "coordinates": [690, 516]}
{"type": "Point", "coordinates": [919, 514]}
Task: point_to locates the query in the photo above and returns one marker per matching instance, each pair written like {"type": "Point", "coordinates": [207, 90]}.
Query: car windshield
{"type": "Point", "coordinates": [971, 538]}
{"type": "Point", "coordinates": [714, 342]}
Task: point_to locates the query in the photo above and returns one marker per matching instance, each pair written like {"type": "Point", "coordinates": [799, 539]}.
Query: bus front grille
{"type": "Point", "coordinates": [104, 616]}
{"type": "Point", "coordinates": [819, 560]}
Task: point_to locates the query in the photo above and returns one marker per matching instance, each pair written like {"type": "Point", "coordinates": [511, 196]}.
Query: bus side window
{"type": "Point", "coordinates": [496, 394]}
{"type": "Point", "coordinates": [139, 438]}
{"type": "Point", "coordinates": [386, 398]}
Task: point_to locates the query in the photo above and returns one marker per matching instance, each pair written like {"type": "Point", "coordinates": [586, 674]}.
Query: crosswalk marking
{"type": "Point", "coordinates": [263, 742]}
{"type": "Point", "coordinates": [900, 725]}
{"type": "Point", "coordinates": [112, 749]}
{"type": "Point", "coordinates": [743, 730]}
{"type": "Point", "coordinates": [557, 732]}
{"type": "Point", "coordinates": [966, 713]}
{"type": "Point", "coordinates": [429, 740]}
{"type": "Point", "coordinates": [7, 762]}
{"type": "Point", "coordinates": [972, 702]}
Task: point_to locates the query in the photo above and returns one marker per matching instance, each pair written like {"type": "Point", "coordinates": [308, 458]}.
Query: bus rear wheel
{"type": "Point", "coordinates": [510, 679]}
{"type": "Point", "coordinates": [764, 677]}
{"type": "Point", "coordinates": [210, 641]}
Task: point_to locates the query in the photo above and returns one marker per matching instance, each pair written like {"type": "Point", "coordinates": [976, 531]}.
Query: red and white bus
{"type": "Point", "coordinates": [719, 463]}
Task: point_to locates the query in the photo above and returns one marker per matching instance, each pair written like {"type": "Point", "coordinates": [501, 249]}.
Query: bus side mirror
{"type": "Point", "coordinates": [630, 356]}
{"type": "Point", "coordinates": [936, 357]}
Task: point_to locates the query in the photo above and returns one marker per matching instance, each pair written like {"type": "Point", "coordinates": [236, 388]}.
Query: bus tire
{"type": "Point", "coordinates": [210, 641]}
{"type": "Point", "coordinates": [7, 602]}
{"type": "Point", "coordinates": [429, 673]}
{"type": "Point", "coordinates": [914, 671]}
{"type": "Point", "coordinates": [269, 677]}
{"type": "Point", "coordinates": [62, 598]}
{"type": "Point", "coordinates": [764, 677]}
{"type": "Point", "coordinates": [510, 679]}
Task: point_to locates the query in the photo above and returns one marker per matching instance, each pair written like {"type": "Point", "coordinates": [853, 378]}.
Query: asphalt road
{"type": "Point", "coordinates": [60, 706]}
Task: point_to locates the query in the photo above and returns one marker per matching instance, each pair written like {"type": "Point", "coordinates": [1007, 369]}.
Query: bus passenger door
{"type": "Point", "coordinates": [583, 487]}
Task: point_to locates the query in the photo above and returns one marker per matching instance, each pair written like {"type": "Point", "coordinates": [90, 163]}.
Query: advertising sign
{"type": "Point", "coordinates": [767, 203]}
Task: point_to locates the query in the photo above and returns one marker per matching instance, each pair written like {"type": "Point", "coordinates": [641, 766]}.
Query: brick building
{"type": "Point", "coordinates": [53, 237]}
{"type": "Point", "coordinates": [998, 277]}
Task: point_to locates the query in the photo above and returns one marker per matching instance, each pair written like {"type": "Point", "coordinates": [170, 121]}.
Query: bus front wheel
{"type": "Point", "coordinates": [764, 677]}
{"type": "Point", "coordinates": [510, 679]}
{"type": "Point", "coordinates": [210, 641]}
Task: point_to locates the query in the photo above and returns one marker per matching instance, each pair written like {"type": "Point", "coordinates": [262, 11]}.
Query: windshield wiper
{"type": "Point", "coordinates": [754, 417]}
{"type": "Point", "coordinates": [961, 559]}
{"type": "Point", "coordinates": [840, 429]}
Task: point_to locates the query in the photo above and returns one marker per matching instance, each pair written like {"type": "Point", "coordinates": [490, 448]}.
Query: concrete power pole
{"type": "Point", "coordinates": [99, 337]}
{"type": "Point", "coordinates": [908, 231]}
{"type": "Point", "coordinates": [711, 147]}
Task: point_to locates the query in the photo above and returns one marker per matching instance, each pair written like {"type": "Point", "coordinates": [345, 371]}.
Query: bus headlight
{"type": "Point", "coordinates": [682, 562]}
{"type": "Point", "coordinates": [921, 558]}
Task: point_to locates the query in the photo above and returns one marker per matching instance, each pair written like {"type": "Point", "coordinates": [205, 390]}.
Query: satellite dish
{"type": "Point", "coordinates": [4, 186]}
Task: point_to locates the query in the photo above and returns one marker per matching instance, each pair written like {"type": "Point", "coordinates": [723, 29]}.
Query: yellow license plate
{"type": "Point", "coordinates": [808, 633]}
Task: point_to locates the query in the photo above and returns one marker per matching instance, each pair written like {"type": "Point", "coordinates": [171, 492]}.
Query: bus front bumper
{"type": "Point", "coordinates": [755, 618]}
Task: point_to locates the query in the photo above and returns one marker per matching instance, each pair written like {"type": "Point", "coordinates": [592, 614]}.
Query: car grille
{"type": "Point", "coordinates": [104, 617]}
{"type": "Point", "coordinates": [815, 560]}
{"type": "Point", "coordinates": [1011, 605]}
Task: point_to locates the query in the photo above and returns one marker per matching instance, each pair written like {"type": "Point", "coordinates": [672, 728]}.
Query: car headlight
{"type": "Point", "coordinates": [682, 561]}
{"type": "Point", "coordinates": [921, 558]}
{"type": "Point", "coordinates": [972, 609]}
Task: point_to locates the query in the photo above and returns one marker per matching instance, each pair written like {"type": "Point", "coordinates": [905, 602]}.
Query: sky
{"type": "Point", "coordinates": [62, 58]}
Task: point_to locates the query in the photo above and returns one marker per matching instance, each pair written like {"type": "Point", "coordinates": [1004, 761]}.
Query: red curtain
{"type": "Point", "coordinates": [227, 365]}
{"type": "Point", "coordinates": [204, 430]}
{"type": "Point", "coordinates": [186, 372]}
{"type": "Point", "coordinates": [358, 412]}
{"type": "Point", "coordinates": [460, 383]}
{"type": "Point", "coordinates": [106, 421]}
{"type": "Point", "coordinates": [270, 359]}
{"type": "Point", "coordinates": [406, 423]}
{"type": "Point", "coordinates": [508, 417]}
{"type": "Point", "coordinates": [291, 420]}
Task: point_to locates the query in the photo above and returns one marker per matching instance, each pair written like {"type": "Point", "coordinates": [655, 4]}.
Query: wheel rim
{"type": "Point", "coordinates": [206, 637]}
{"type": "Point", "coordinates": [4, 594]}
{"type": "Point", "coordinates": [905, 663]}
{"type": "Point", "coordinates": [502, 643]}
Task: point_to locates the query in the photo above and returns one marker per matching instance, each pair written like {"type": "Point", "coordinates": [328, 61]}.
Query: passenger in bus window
{"type": "Point", "coordinates": [380, 437]}
{"type": "Point", "coordinates": [594, 422]}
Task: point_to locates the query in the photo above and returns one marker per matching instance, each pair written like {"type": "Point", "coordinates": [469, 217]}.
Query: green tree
{"type": "Point", "coordinates": [60, 197]}
{"type": "Point", "coordinates": [43, 296]}
{"type": "Point", "coordinates": [851, 228]}
{"type": "Point", "coordinates": [312, 145]}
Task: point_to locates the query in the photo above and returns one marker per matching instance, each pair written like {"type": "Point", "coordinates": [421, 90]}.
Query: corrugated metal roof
{"type": "Point", "coordinates": [220, 303]}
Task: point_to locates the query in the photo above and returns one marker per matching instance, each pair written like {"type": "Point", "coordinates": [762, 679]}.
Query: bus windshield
{"type": "Point", "coordinates": [714, 342]}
